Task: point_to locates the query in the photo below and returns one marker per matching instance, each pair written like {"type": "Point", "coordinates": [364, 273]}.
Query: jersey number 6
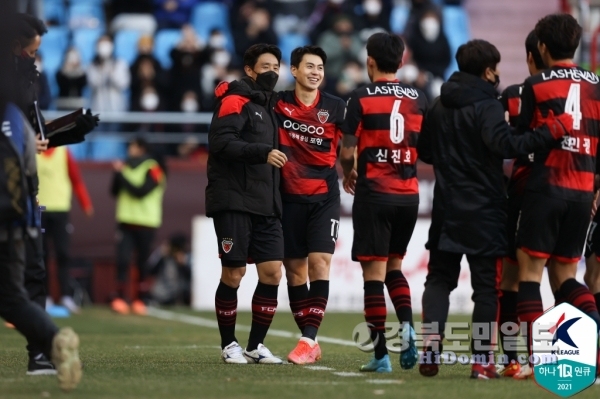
{"type": "Point", "coordinates": [396, 124]}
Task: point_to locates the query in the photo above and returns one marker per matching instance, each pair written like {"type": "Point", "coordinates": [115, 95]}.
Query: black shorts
{"type": "Point", "coordinates": [309, 228]}
{"type": "Point", "coordinates": [515, 203]}
{"type": "Point", "coordinates": [247, 238]}
{"type": "Point", "coordinates": [592, 245]}
{"type": "Point", "coordinates": [381, 231]}
{"type": "Point", "coordinates": [553, 228]}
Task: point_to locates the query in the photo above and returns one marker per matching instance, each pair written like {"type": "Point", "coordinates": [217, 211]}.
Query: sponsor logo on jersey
{"type": "Point", "coordinates": [323, 115]}
{"type": "Point", "coordinates": [289, 111]}
{"type": "Point", "coordinates": [226, 244]}
{"type": "Point", "coordinates": [303, 128]}
{"type": "Point", "coordinates": [395, 89]}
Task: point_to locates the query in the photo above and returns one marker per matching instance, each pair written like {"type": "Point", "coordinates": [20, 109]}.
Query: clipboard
{"type": "Point", "coordinates": [38, 117]}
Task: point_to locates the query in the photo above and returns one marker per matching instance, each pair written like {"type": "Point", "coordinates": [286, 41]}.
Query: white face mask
{"type": "Point", "coordinates": [72, 57]}
{"type": "Point", "coordinates": [105, 49]}
{"type": "Point", "coordinates": [38, 66]}
{"type": "Point", "coordinates": [430, 28]}
{"type": "Point", "coordinates": [221, 58]}
{"type": "Point", "coordinates": [217, 41]}
{"type": "Point", "coordinates": [149, 101]}
{"type": "Point", "coordinates": [372, 7]}
{"type": "Point", "coordinates": [189, 105]}
{"type": "Point", "coordinates": [408, 73]}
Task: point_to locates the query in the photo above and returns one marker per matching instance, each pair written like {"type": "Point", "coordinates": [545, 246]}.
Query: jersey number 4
{"type": "Point", "coordinates": [396, 124]}
{"type": "Point", "coordinates": [573, 105]}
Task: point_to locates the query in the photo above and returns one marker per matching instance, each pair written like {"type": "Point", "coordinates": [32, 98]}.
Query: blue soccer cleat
{"type": "Point", "coordinates": [382, 365]}
{"type": "Point", "coordinates": [409, 356]}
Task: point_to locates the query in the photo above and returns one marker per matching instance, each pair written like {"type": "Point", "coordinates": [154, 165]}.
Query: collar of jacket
{"type": "Point", "coordinates": [464, 89]}
{"type": "Point", "coordinates": [137, 161]}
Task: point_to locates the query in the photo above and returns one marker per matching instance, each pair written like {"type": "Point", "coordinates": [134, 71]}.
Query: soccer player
{"type": "Point", "coordinates": [243, 199]}
{"type": "Point", "coordinates": [466, 138]}
{"type": "Point", "coordinates": [309, 131]}
{"type": "Point", "coordinates": [382, 123]}
{"type": "Point", "coordinates": [556, 206]}
{"type": "Point", "coordinates": [509, 285]}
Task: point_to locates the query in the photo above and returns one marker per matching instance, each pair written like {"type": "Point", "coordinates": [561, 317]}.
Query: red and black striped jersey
{"type": "Point", "coordinates": [386, 117]}
{"type": "Point", "coordinates": [309, 136]}
{"type": "Point", "coordinates": [511, 101]}
{"type": "Point", "coordinates": [566, 171]}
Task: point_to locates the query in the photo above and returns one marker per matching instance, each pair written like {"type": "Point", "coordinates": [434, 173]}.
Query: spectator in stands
{"type": "Point", "coordinates": [44, 97]}
{"type": "Point", "coordinates": [291, 16]}
{"type": "Point", "coordinates": [173, 14]}
{"type": "Point", "coordinates": [342, 44]}
{"type": "Point", "coordinates": [71, 79]}
{"type": "Point", "coordinates": [146, 71]}
{"type": "Point", "coordinates": [375, 17]}
{"type": "Point", "coordinates": [256, 30]}
{"type": "Point", "coordinates": [108, 78]}
{"type": "Point", "coordinates": [418, 7]}
{"type": "Point", "coordinates": [351, 78]}
{"type": "Point", "coordinates": [59, 178]}
{"type": "Point", "coordinates": [188, 58]}
{"type": "Point", "coordinates": [214, 72]}
{"type": "Point", "coordinates": [430, 51]}
{"type": "Point", "coordinates": [117, 7]}
{"type": "Point", "coordinates": [324, 16]}
{"type": "Point", "coordinates": [171, 265]}
{"type": "Point", "coordinates": [138, 185]}
{"type": "Point", "coordinates": [149, 101]}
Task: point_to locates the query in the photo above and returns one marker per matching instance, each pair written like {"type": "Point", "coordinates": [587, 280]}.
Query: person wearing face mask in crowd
{"type": "Point", "coordinates": [325, 14]}
{"type": "Point", "coordinates": [212, 73]}
{"type": "Point", "coordinates": [429, 47]}
{"type": "Point", "coordinates": [341, 44]}
{"type": "Point", "coordinates": [71, 79]}
{"type": "Point", "coordinates": [257, 29]}
{"type": "Point", "coordinates": [146, 71]}
{"type": "Point", "coordinates": [375, 17]}
{"type": "Point", "coordinates": [108, 78]}
{"type": "Point", "coordinates": [243, 199]}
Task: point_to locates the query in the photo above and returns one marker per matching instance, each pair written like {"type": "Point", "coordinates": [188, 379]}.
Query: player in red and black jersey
{"type": "Point", "coordinates": [309, 131]}
{"type": "Point", "coordinates": [559, 191]}
{"type": "Point", "coordinates": [383, 122]}
{"type": "Point", "coordinates": [509, 285]}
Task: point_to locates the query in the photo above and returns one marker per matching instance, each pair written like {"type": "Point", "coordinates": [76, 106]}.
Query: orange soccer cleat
{"type": "Point", "coordinates": [119, 306]}
{"type": "Point", "coordinates": [482, 372]}
{"type": "Point", "coordinates": [525, 373]}
{"type": "Point", "coordinates": [139, 308]}
{"type": "Point", "coordinates": [307, 351]}
{"type": "Point", "coordinates": [511, 369]}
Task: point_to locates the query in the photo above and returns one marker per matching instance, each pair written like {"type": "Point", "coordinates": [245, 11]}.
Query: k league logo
{"type": "Point", "coordinates": [566, 341]}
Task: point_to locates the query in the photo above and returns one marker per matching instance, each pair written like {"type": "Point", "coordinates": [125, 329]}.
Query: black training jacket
{"type": "Point", "coordinates": [465, 137]}
{"type": "Point", "coordinates": [242, 133]}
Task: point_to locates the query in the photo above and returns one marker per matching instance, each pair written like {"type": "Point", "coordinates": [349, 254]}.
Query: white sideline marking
{"type": "Point", "coordinates": [348, 374]}
{"type": "Point", "coordinates": [319, 368]}
{"type": "Point", "coordinates": [202, 322]}
{"type": "Point", "coordinates": [384, 381]}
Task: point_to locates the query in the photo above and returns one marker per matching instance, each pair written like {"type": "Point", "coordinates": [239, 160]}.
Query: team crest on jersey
{"type": "Point", "coordinates": [226, 244]}
{"type": "Point", "coordinates": [323, 115]}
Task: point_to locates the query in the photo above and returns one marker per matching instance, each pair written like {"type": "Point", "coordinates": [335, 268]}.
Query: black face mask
{"type": "Point", "coordinates": [25, 63]}
{"type": "Point", "coordinates": [267, 80]}
{"type": "Point", "coordinates": [496, 81]}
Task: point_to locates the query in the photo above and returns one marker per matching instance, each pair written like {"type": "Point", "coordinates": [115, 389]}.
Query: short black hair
{"type": "Point", "coordinates": [140, 142]}
{"type": "Point", "coordinates": [475, 56]}
{"type": "Point", "coordinates": [300, 52]}
{"type": "Point", "coordinates": [531, 46]}
{"type": "Point", "coordinates": [387, 50]}
{"type": "Point", "coordinates": [251, 55]}
{"type": "Point", "coordinates": [560, 33]}
{"type": "Point", "coordinates": [27, 27]}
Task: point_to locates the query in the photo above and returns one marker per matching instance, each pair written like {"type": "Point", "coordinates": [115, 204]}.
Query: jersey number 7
{"type": "Point", "coordinates": [397, 124]}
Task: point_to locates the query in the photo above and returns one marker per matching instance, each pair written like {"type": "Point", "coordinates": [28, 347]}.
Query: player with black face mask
{"type": "Point", "coordinates": [244, 201]}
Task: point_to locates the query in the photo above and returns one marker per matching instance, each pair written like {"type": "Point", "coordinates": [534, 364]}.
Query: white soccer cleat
{"type": "Point", "coordinates": [233, 353]}
{"type": "Point", "coordinates": [65, 356]}
{"type": "Point", "coordinates": [70, 304]}
{"type": "Point", "coordinates": [525, 373]}
{"type": "Point", "coordinates": [261, 355]}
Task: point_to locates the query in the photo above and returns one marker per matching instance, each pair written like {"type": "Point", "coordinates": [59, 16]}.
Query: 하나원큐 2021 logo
{"type": "Point", "coordinates": [565, 345]}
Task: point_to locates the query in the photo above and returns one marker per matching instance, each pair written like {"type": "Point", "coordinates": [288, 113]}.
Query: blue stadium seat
{"type": "Point", "coordinates": [288, 42]}
{"type": "Point", "coordinates": [164, 41]}
{"type": "Point", "coordinates": [456, 27]}
{"type": "Point", "coordinates": [86, 15]}
{"type": "Point", "coordinates": [53, 48]}
{"type": "Point", "coordinates": [399, 18]}
{"type": "Point", "coordinates": [55, 10]}
{"type": "Point", "coordinates": [85, 41]}
{"type": "Point", "coordinates": [126, 45]}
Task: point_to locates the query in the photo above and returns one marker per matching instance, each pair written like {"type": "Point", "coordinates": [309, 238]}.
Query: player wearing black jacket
{"type": "Point", "coordinates": [243, 199]}
{"type": "Point", "coordinates": [465, 137]}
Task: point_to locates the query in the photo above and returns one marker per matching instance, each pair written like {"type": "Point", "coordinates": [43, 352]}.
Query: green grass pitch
{"type": "Point", "coordinates": [146, 357]}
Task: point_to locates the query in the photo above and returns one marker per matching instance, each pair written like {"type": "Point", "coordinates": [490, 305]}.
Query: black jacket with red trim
{"type": "Point", "coordinates": [242, 133]}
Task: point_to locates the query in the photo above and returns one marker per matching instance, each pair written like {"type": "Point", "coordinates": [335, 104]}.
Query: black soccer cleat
{"type": "Point", "coordinates": [40, 365]}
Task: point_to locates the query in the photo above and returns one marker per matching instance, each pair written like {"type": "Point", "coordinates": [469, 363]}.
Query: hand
{"type": "Point", "coordinates": [560, 125]}
{"type": "Point", "coordinates": [41, 145]}
{"type": "Point", "coordinates": [89, 212]}
{"type": "Point", "coordinates": [221, 89]}
{"type": "Point", "coordinates": [276, 158]}
{"type": "Point", "coordinates": [118, 166]}
{"type": "Point", "coordinates": [87, 122]}
{"type": "Point", "coordinates": [349, 182]}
